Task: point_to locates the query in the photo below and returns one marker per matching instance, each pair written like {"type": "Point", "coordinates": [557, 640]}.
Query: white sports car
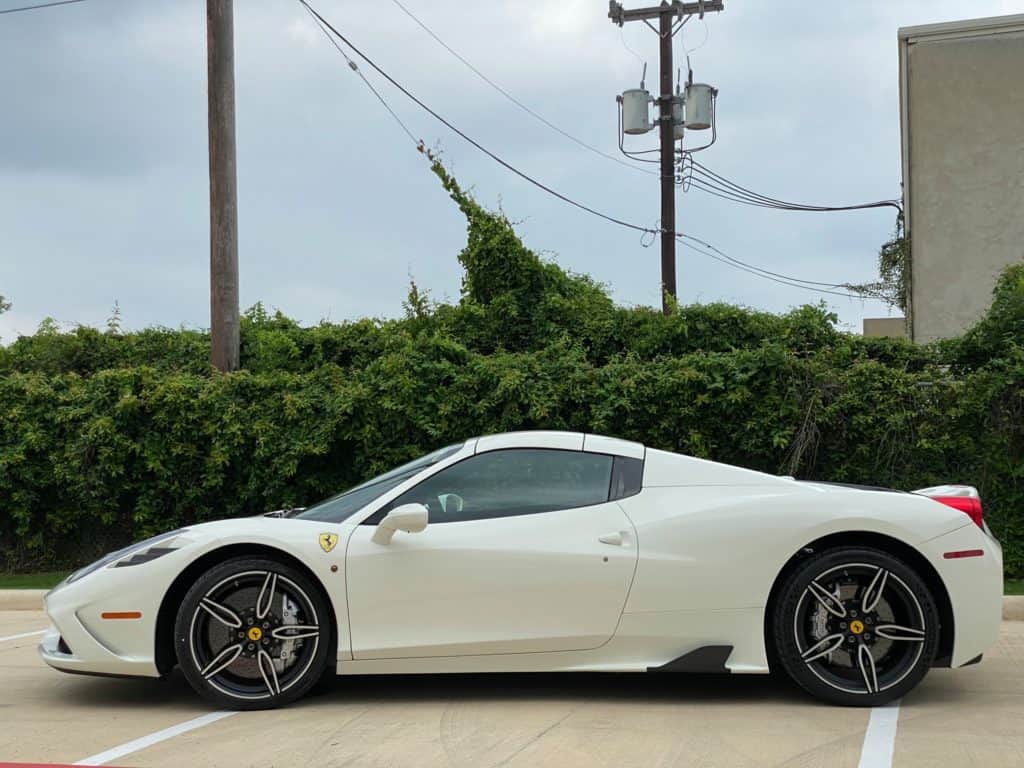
{"type": "Point", "coordinates": [550, 551]}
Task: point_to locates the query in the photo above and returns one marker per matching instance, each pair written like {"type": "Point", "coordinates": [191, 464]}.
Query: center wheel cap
{"type": "Point", "coordinates": [255, 634]}
{"type": "Point", "coordinates": [856, 627]}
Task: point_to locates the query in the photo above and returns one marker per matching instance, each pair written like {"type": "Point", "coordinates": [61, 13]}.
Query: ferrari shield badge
{"type": "Point", "coordinates": [327, 541]}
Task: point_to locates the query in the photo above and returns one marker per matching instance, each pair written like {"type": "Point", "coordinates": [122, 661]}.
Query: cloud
{"type": "Point", "coordinates": [103, 187]}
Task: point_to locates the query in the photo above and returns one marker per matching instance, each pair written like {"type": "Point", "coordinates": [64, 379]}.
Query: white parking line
{"type": "Point", "coordinates": [880, 737]}
{"type": "Point", "coordinates": [154, 738]}
{"type": "Point", "coordinates": [23, 634]}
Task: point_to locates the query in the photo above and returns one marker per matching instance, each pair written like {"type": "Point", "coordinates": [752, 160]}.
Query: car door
{"type": "Point", "coordinates": [523, 553]}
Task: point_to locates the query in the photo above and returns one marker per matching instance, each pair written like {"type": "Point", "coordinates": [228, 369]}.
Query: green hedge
{"type": "Point", "coordinates": [106, 437]}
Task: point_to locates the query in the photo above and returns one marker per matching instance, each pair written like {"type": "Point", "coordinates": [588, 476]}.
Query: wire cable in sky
{"type": "Point", "coordinates": [807, 285]}
{"type": "Point", "coordinates": [466, 137]}
{"type": "Point", "coordinates": [765, 272]}
{"type": "Point", "coordinates": [703, 178]}
{"type": "Point", "coordinates": [355, 68]}
{"type": "Point", "coordinates": [39, 6]}
{"type": "Point", "coordinates": [710, 250]}
{"type": "Point", "coordinates": [537, 116]}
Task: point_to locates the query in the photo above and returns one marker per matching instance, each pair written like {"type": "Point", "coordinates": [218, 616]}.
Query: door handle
{"type": "Point", "coordinates": [615, 539]}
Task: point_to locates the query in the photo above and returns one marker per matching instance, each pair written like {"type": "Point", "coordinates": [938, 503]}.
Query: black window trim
{"type": "Point", "coordinates": [377, 515]}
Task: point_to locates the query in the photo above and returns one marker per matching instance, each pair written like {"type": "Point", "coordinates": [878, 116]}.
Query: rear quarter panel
{"type": "Point", "coordinates": [719, 538]}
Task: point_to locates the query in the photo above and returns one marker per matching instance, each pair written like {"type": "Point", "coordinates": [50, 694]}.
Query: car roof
{"type": "Point", "coordinates": [565, 441]}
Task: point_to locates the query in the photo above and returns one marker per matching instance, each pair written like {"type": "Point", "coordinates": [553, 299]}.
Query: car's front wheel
{"type": "Point", "coordinates": [253, 633]}
{"type": "Point", "coordinates": [855, 626]}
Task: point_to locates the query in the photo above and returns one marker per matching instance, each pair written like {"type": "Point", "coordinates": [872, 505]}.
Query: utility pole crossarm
{"type": "Point", "coordinates": [620, 15]}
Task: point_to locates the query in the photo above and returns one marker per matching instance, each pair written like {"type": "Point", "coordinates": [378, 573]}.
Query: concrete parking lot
{"type": "Point", "coordinates": [973, 716]}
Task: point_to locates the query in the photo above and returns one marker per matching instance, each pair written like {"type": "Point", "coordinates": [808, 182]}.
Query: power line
{"type": "Point", "coordinates": [466, 137]}
{"type": "Point", "coordinates": [537, 116]}
{"type": "Point", "coordinates": [757, 272]}
{"type": "Point", "coordinates": [711, 251]}
{"type": "Point", "coordinates": [796, 282]}
{"type": "Point", "coordinates": [352, 65]}
{"type": "Point", "coordinates": [40, 5]}
{"type": "Point", "coordinates": [718, 185]}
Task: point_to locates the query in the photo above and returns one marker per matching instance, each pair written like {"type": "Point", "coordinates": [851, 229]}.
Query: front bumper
{"type": "Point", "coordinates": [70, 645]}
{"type": "Point", "coordinates": [55, 651]}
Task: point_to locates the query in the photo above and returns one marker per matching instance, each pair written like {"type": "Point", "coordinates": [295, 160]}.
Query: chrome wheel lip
{"type": "Point", "coordinates": [866, 690]}
{"type": "Point", "coordinates": [278, 578]}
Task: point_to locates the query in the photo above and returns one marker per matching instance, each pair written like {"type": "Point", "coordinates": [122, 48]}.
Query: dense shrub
{"type": "Point", "coordinates": [108, 436]}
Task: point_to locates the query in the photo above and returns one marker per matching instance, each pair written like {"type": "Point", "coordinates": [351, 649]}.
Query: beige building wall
{"type": "Point", "coordinates": [885, 327]}
{"type": "Point", "coordinates": [962, 116]}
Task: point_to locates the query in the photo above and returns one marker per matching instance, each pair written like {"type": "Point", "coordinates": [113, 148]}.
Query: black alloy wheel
{"type": "Point", "coordinates": [855, 626]}
{"type": "Point", "coordinates": [253, 633]}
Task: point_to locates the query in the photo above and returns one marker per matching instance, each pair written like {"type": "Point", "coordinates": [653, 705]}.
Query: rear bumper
{"type": "Point", "coordinates": [975, 587]}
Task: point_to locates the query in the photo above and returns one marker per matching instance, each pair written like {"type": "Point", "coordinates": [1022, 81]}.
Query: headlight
{"type": "Point", "coordinates": [135, 554]}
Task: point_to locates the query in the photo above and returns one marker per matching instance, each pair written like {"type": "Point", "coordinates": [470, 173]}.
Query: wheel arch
{"type": "Point", "coordinates": [165, 655]}
{"type": "Point", "coordinates": [890, 545]}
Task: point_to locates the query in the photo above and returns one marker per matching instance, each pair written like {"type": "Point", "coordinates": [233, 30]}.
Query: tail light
{"type": "Point", "coordinates": [962, 497]}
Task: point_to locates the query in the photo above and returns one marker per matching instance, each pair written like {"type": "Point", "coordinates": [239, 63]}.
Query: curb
{"type": "Point", "coordinates": [1013, 608]}
{"type": "Point", "coordinates": [32, 600]}
{"type": "Point", "coordinates": [22, 599]}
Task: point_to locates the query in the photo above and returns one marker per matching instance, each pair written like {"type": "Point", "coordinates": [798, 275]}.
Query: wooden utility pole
{"type": "Point", "coordinates": [220, 61]}
{"type": "Point", "coordinates": [668, 161]}
{"type": "Point", "coordinates": [666, 14]}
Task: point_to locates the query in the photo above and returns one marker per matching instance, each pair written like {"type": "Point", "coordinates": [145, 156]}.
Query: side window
{"type": "Point", "coordinates": [513, 482]}
{"type": "Point", "coordinates": [627, 477]}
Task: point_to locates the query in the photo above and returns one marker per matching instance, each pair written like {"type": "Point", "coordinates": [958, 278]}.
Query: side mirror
{"type": "Point", "coordinates": [408, 518]}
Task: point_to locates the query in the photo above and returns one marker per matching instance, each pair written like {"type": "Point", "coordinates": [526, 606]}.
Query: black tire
{"type": "Point", "coordinates": [825, 621]}
{"type": "Point", "coordinates": [253, 633]}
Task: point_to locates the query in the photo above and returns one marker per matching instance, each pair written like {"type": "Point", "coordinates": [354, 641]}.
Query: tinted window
{"type": "Point", "coordinates": [344, 505]}
{"type": "Point", "coordinates": [627, 477]}
{"type": "Point", "coordinates": [513, 482]}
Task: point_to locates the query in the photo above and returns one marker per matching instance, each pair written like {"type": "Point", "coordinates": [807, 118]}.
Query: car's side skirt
{"type": "Point", "coordinates": [708, 659]}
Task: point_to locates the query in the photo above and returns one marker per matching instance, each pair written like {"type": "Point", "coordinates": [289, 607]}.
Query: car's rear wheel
{"type": "Point", "coordinates": [253, 633]}
{"type": "Point", "coordinates": [855, 626]}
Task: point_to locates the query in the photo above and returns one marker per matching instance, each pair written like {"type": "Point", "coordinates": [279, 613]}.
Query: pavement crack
{"type": "Point", "coordinates": [536, 738]}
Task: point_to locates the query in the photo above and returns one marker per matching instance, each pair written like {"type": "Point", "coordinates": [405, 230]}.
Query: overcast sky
{"type": "Point", "coordinates": [103, 166]}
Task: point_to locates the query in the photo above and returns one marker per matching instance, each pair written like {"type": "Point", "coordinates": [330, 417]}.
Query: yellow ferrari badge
{"type": "Point", "coordinates": [856, 627]}
{"type": "Point", "coordinates": [327, 541]}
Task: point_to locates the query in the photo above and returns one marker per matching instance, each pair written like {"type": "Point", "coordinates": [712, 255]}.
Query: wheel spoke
{"type": "Point", "coordinates": [221, 661]}
{"type": "Point", "coordinates": [295, 632]}
{"type": "Point", "coordinates": [866, 662]}
{"type": "Point", "coordinates": [266, 665]}
{"type": "Point", "coordinates": [829, 601]}
{"type": "Point", "coordinates": [823, 647]}
{"type": "Point", "coordinates": [873, 592]}
{"type": "Point", "coordinates": [896, 632]}
{"type": "Point", "coordinates": [266, 596]}
{"type": "Point", "coordinates": [221, 613]}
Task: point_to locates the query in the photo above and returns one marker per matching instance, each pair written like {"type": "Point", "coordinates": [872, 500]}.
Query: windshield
{"type": "Point", "coordinates": [344, 505]}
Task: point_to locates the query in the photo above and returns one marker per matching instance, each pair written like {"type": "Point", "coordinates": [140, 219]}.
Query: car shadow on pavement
{"type": "Point", "coordinates": [174, 691]}
{"type": "Point", "coordinates": [940, 687]}
{"type": "Point", "coordinates": [583, 686]}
